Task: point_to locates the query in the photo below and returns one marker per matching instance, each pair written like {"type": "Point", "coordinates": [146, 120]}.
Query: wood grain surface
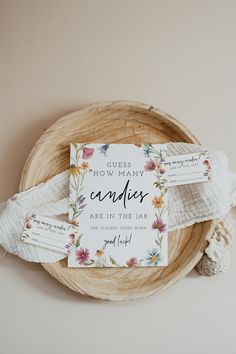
{"type": "Point", "coordinates": [116, 122]}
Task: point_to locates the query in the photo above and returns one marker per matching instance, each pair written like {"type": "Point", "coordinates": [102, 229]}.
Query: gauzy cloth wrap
{"type": "Point", "coordinates": [188, 204]}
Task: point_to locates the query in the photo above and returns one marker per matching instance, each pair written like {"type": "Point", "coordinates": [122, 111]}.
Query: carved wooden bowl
{"type": "Point", "coordinates": [116, 122]}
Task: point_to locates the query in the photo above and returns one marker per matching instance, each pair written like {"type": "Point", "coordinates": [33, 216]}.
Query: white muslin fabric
{"type": "Point", "coordinates": [188, 204]}
{"type": "Point", "coordinates": [192, 203]}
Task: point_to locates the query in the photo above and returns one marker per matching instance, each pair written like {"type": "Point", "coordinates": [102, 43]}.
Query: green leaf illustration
{"type": "Point", "coordinates": [89, 262]}
{"type": "Point", "coordinates": [77, 242]}
{"type": "Point", "coordinates": [113, 261]}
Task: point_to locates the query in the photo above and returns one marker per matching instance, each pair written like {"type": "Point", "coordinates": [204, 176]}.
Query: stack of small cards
{"type": "Point", "coordinates": [118, 205]}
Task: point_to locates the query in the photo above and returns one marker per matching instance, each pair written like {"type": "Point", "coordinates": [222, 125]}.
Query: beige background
{"type": "Point", "coordinates": [58, 56]}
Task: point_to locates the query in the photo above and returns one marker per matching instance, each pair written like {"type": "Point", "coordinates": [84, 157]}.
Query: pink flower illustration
{"type": "Point", "coordinates": [87, 153]}
{"type": "Point", "coordinates": [132, 262]}
{"type": "Point", "coordinates": [158, 224]}
{"type": "Point", "coordinates": [161, 169]}
{"type": "Point", "coordinates": [150, 165]}
{"type": "Point", "coordinates": [207, 164]}
{"type": "Point", "coordinates": [72, 237]}
{"type": "Point", "coordinates": [28, 224]}
{"type": "Point", "coordinates": [82, 255]}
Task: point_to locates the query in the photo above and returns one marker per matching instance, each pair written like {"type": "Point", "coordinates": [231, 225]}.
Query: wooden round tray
{"type": "Point", "coordinates": [116, 122]}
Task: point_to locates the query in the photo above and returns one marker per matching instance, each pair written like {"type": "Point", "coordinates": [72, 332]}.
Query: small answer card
{"type": "Point", "coordinates": [118, 200]}
{"type": "Point", "coordinates": [49, 233]}
{"type": "Point", "coordinates": [188, 169]}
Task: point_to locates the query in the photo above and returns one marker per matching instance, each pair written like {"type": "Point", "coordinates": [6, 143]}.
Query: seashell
{"type": "Point", "coordinates": [215, 249]}
{"type": "Point", "coordinates": [207, 267]}
{"type": "Point", "coordinates": [223, 232]}
{"type": "Point", "coordinates": [217, 258]}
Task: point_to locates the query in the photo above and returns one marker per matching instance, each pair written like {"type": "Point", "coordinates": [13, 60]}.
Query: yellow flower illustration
{"type": "Point", "coordinates": [84, 165]}
{"type": "Point", "coordinates": [154, 259]}
{"type": "Point", "coordinates": [74, 171]}
{"type": "Point", "coordinates": [99, 253]}
{"type": "Point", "coordinates": [158, 202]}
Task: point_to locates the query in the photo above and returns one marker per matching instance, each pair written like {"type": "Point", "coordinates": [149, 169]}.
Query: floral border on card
{"type": "Point", "coordinates": [79, 168]}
